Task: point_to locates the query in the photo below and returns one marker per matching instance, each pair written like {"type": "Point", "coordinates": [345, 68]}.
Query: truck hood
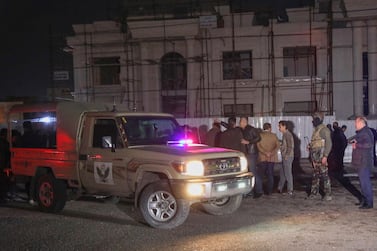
{"type": "Point", "coordinates": [185, 150]}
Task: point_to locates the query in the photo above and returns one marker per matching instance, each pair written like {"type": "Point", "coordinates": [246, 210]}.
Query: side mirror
{"type": "Point", "coordinates": [106, 142]}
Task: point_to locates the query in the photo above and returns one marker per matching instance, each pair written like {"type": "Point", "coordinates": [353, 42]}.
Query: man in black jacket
{"type": "Point", "coordinates": [232, 136]}
{"type": "Point", "coordinates": [4, 164]}
{"type": "Point", "coordinates": [250, 138]}
{"type": "Point", "coordinates": [335, 162]}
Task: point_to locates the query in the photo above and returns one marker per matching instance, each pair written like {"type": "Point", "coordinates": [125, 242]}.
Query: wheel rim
{"type": "Point", "coordinates": [46, 194]}
{"type": "Point", "coordinates": [220, 202]}
{"type": "Point", "coordinates": [162, 206]}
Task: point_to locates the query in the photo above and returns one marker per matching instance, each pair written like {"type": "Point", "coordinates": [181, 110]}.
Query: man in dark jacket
{"type": "Point", "coordinates": [213, 135]}
{"type": "Point", "coordinates": [335, 162]}
{"type": "Point", "coordinates": [4, 164]}
{"type": "Point", "coordinates": [250, 138]}
{"type": "Point", "coordinates": [232, 136]}
{"type": "Point", "coordinates": [362, 159]}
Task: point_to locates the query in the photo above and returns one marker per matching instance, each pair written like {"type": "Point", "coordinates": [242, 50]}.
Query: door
{"type": "Point", "coordinates": [103, 157]}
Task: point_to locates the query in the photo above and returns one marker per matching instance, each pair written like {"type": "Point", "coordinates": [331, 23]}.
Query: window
{"type": "Point", "coordinates": [237, 65]}
{"type": "Point", "coordinates": [34, 130]}
{"type": "Point", "coordinates": [173, 72]}
{"type": "Point", "coordinates": [242, 110]}
{"type": "Point", "coordinates": [300, 61]}
{"type": "Point", "coordinates": [151, 130]}
{"type": "Point", "coordinates": [106, 134]}
{"type": "Point", "coordinates": [174, 84]}
{"type": "Point", "coordinates": [106, 71]}
{"type": "Point", "coordinates": [299, 108]}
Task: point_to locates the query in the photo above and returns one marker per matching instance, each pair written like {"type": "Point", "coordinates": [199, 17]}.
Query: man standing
{"type": "Point", "coordinates": [320, 147]}
{"type": "Point", "coordinates": [362, 159]}
{"type": "Point", "coordinates": [213, 135]}
{"type": "Point", "coordinates": [232, 136]}
{"type": "Point", "coordinates": [268, 148]}
{"type": "Point", "coordinates": [335, 162]}
{"type": "Point", "coordinates": [4, 164]}
{"type": "Point", "coordinates": [287, 155]}
{"type": "Point", "coordinates": [250, 138]}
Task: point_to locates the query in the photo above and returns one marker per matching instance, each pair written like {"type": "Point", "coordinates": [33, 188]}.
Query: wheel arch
{"type": "Point", "coordinates": [39, 171]}
{"type": "Point", "coordinates": [145, 179]}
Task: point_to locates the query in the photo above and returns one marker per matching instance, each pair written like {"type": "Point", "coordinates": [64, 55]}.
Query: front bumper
{"type": "Point", "coordinates": [212, 188]}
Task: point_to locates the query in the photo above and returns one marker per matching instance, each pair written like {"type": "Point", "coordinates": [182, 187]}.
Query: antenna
{"type": "Point", "coordinates": [114, 105]}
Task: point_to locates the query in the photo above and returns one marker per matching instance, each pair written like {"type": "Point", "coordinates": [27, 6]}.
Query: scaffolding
{"type": "Point", "coordinates": [206, 90]}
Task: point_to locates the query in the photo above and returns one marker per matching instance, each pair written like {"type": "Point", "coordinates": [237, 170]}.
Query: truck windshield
{"type": "Point", "coordinates": [151, 130]}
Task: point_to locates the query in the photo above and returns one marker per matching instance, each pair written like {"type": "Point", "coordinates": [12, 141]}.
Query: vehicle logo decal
{"type": "Point", "coordinates": [223, 165]}
{"type": "Point", "coordinates": [103, 173]}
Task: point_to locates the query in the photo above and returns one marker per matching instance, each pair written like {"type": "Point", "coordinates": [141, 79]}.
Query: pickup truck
{"type": "Point", "coordinates": [66, 150]}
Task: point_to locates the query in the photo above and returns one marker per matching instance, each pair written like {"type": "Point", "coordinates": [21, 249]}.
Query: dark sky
{"type": "Point", "coordinates": [31, 29]}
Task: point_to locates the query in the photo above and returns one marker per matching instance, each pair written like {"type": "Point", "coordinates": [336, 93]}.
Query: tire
{"type": "Point", "coordinates": [51, 193]}
{"type": "Point", "coordinates": [161, 209]}
{"type": "Point", "coordinates": [226, 205]}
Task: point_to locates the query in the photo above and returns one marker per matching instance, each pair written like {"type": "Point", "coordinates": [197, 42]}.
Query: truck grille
{"type": "Point", "coordinates": [221, 166]}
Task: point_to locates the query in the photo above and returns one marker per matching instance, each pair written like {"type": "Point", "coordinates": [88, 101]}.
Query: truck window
{"type": "Point", "coordinates": [106, 134]}
{"type": "Point", "coordinates": [33, 130]}
{"type": "Point", "coordinates": [151, 130]}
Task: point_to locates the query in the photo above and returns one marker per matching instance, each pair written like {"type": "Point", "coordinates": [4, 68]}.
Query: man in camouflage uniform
{"type": "Point", "coordinates": [320, 147]}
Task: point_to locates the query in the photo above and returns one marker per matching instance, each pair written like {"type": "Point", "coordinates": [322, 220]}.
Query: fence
{"type": "Point", "coordinates": [302, 127]}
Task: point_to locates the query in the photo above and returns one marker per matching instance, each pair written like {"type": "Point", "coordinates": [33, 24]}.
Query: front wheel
{"type": "Point", "coordinates": [222, 206]}
{"type": "Point", "coordinates": [161, 209]}
{"type": "Point", "coordinates": [51, 193]}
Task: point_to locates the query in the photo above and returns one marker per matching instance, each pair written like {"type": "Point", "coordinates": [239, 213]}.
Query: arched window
{"type": "Point", "coordinates": [174, 84]}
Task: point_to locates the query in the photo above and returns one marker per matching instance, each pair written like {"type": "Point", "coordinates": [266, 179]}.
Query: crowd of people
{"type": "Point", "coordinates": [326, 152]}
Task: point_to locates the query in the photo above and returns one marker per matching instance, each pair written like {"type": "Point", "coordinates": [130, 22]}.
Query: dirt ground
{"type": "Point", "coordinates": [297, 223]}
{"type": "Point", "coordinates": [270, 223]}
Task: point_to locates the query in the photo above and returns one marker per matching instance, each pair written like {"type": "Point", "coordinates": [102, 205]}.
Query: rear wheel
{"type": "Point", "coordinates": [161, 209]}
{"type": "Point", "coordinates": [51, 193]}
{"type": "Point", "coordinates": [226, 205]}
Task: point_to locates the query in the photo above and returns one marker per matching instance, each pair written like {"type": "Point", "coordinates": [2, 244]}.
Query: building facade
{"type": "Point", "coordinates": [226, 62]}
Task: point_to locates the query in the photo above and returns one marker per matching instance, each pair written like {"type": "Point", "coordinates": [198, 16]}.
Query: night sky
{"type": "Point", "coordinates": [34, 31]}
{"type": "Point", "coordinates": [31, 29]}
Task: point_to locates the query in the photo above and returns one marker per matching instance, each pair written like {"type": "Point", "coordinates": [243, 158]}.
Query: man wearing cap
{"type": "Point", "coordinates": [320, 147]}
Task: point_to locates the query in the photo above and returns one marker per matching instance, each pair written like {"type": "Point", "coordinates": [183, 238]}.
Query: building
{"type": "Point", "coordinates": [234, 60]}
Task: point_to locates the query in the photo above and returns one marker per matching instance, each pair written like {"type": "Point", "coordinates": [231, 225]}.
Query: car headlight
{"type": "Point", "coordinates": [193, 168]}
{"type": "Point", "coordinates": [244, 166]}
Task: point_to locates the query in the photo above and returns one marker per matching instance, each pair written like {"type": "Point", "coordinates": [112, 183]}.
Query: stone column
{"type": "Point", "coordinates": [357, 51]}
{"type": "Point", "coordinates": [372, 68]}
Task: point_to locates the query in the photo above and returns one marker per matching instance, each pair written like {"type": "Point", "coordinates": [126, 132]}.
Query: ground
{"type": "Point", "coordinates": [275, 222]}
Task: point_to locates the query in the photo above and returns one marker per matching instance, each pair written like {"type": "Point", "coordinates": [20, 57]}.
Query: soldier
{"type": "Point", "coordinates": [319, 148]}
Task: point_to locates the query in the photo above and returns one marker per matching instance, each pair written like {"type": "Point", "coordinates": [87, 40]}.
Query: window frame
{"type": "Point", "coordinates": [103, 71]}
{"type": "Point", "coordinates": [296, 56]}
{"type": "Point", "coordinates": [232, 64]}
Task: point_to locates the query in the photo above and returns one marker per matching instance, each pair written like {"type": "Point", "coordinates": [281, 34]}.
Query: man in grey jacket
{"type": "Point", "coordinates": [287, 154]}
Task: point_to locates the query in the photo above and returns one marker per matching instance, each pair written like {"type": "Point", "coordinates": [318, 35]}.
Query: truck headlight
{"type": "Point", "coordinates": [192, 168]}
{"type": "Point", "coordinates": [243, 162]}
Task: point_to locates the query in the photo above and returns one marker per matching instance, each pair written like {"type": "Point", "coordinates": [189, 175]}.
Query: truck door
{"type": "Point", "coordinates": [102, 166]}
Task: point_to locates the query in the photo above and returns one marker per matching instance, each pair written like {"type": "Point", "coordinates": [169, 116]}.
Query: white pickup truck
{"type": "Point", "coordinates": [65, 150]}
